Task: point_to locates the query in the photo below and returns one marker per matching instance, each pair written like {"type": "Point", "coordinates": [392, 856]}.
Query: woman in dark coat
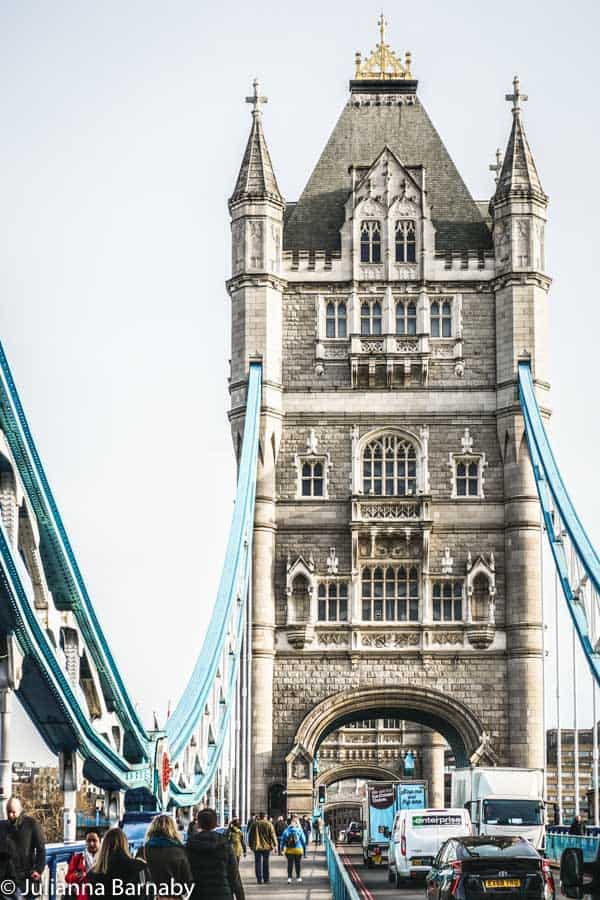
{"type": "Point", "coordinates": [215, 872]}
{"type": "Point", "coordinates": [115, 868]}
{"type": "Point", "coordinates": [165, 855]}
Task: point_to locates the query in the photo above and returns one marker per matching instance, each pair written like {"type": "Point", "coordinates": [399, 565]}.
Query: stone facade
{"type": "Point", "coordinates": [394, 345]}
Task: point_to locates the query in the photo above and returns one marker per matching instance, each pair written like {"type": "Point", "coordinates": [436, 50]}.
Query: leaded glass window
{"type": "Point", "coordinates": [312, 479]}
{"type": "Point", "coordinates": [447, 601]}
{"type": "Point", "coordinates": [467, 478]}
{"type": "Point", "coordinates": [333, 602]}
{"type": "Point", "coordinates": [406, 241]}
{"type": "Point", "coordinates": [390, 594]}
{"type": "Point", "coordinates": [370, 241]}
{"type": "Point", "coordinates": [389, 467]}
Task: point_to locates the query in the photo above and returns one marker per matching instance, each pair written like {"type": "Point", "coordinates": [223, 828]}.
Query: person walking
{"type": "Point", "coordinates": [262, 841]}
{"type": "Point", "coordinates": [293, 840]}
{"type": "Point", "coordinates": [115, 871]}
{"type": "Point", "coordinates": [22, 837]}
{"type": "Point", "coordinates": [279, 829]}
{"type": "Point", "coordinates": [306, 828]}
{"type": "Point", "coordinates": [577, 826]}
{"type": "Point", "coordinates": [317, 831]}
{"type": "Point", "coordinates": [235, 837]}
{"type": "Point", "coordinates": [215, 872]}
{"type": "Point", "coordinates": [165, 856]}
{"type": "Point", "coordinates": [81, 863]}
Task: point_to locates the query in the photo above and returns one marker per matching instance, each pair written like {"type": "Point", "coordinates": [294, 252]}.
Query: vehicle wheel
{"type": "Point", "coordinates": [391, 877]}
{"type": "Point", "coordinates": [399, 882]}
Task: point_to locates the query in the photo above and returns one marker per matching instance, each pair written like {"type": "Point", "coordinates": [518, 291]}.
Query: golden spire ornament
{"type": "Point", "coordinates": [382, 64]}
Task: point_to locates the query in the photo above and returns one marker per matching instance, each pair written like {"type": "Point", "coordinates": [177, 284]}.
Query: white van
{"type": "Point", "coordinates": [417, 835]}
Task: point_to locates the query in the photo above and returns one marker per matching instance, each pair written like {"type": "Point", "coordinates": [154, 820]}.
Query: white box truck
{"type": "Point", "coordinates": [502, 801]}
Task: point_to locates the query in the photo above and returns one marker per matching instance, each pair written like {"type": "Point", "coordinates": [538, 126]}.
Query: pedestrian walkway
{"type": "Point", "coordinates": [314, 886]}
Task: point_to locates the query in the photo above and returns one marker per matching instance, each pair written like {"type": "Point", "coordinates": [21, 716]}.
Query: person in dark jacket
{"type": "Point", "coordinates": [279, 829]}
{"type": "Point", "coordinates": [577, 826]}
{"type": "Point", "coordinates": [165, 855]}
{"type": "Point", "coordinates": [215, 873]}
{"type": "Point", "coordinates": [22, 837]}
{"type": "Point", "coordinates": [115, 868]}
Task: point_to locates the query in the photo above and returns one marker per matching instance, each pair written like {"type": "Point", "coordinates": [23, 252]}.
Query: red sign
{"type": "Point", "coordinates": [166, 771]}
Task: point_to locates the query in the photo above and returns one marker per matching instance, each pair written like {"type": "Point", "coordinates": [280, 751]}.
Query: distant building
{"type": "Point", "coordinates": [584, 755]}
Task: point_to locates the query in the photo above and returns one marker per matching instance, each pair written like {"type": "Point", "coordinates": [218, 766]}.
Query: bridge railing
{"type": "Point", "coordinates": [557, 843]}
{"type": "Point", "coordinates": [57, 862]}
{"type": "Point", "coordinates": [340, 881]}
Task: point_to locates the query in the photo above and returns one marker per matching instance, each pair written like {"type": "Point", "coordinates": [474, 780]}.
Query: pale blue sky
{"type": "Point", "coordinates": [123, 130]}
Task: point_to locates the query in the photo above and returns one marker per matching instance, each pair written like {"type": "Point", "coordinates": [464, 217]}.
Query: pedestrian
{"type": "Point", "coordinates": [306, 828]}
{"type": "Point", "coordinates": [262, 841]}
{"type": "Point", "coordinates": [165, 855]}
{"type": "Point", "coordinates": [22, 837]}
{"type": "Point", "coordinates": [317, 831]}
{"type": "Point", "coordinates": [279, 829]}
{"type": "Point", "coordinates": [577, 826]}
{"type": "Point", "coordinates": [294, 844]}
{"type": "Point", "coordinates": [235, 836]}
{"type": "Point", "coordinates": [215, 872]}
{"type": "Point", "coordinates": [81, 863]}
{"type": "Point", "coordinates": [116, 873]}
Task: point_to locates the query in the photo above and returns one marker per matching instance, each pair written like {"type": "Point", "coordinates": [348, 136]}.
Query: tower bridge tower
{"type": "Point", "coordinates": [396, 567]}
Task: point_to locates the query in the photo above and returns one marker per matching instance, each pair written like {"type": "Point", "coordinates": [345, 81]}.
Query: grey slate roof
{"type": "Point", "coordinates": [360, 134]}
{"type": "Point", "coordinates": [518, 169]}
{"type": "Point", "coordinates": [256, 178]}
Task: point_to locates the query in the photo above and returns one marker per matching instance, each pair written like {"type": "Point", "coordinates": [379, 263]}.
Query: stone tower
{"type": "Point", "coordinates": [396, 554]}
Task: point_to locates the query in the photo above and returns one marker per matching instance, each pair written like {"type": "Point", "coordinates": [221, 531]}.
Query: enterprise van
{"type": "Point", "coordinates": [417, 835]}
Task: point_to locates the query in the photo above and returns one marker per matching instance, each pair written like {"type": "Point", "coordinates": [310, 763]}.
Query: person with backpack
{"type": "Point", "coordinates": [262, 840]}
{"type": "Point", "coordinates": [293, 841]}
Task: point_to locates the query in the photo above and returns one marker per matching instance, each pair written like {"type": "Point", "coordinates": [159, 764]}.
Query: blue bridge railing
{"type": "Point", "coordinates": [556, 843]}
{"type": "Point", "coordinates": [342, 887]}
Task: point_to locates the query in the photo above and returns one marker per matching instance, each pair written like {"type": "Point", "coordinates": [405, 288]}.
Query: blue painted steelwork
{"type": "Point", "coordinates": [340, 882]}
{"type": "Point", "coordinates": [556, 843]}
{"type": "Point", "coordinates": [58, 707]}
{"type": "Point", "coordinates": [229, 613]}
{"type": "Point", "coordinates": [575, 558]}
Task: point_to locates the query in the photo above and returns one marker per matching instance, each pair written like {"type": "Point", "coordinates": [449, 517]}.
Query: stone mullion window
{"type": "Point", "coordinates": [447, 601]}
{"type": "Point", "coordinates": [312, 478]}
{"type": "Point", "coordinates": [406, 241]}
{"type": "Point", "coordinates": [370, 318]}
{"type": "Point", "coordinates": [440, 319]}
{"type": "Point", "coordinates": [406, 317]}
{"type": "Point", "coordinates": [370, 241]}
{"type": "Point", "coordinates": [336, 319]}
{"type": "Point", "coordinates": [389, 467]}
{"type": "Point", "coordinates": [332, 602]}
{"type": "Point", "coordinates": [390, 594]}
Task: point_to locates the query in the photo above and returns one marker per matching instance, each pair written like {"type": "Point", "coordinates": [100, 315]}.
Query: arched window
{"type": "Point", "coordinates": [389, 467]}
{"type": "Point", "coordinates": [335, 319]}
{"type": "Point", "coordinates": [312, 479]}
{"type": "Point", "coordinates": [370, 241]}
{"type": "Point", "coordinates": [406, 318]}
{"type": "Point", "coordinates": [440, 315]}
{"type": "Point", "coordinates": [391, 595]}
{"type": "Point", "coordinates": [333, 602]}
{"type": "Point", "coordinates": [300, 599]}
{"type": "Point", "coordinates": [447, 601]}
{"type": "Point", "coordinates": [406, 241]}
{"type": "Point", "coordinates": [370, 317]}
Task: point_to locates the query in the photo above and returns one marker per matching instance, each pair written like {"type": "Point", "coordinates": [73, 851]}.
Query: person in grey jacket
{"type": "Point", "coordinates": [21, 836]}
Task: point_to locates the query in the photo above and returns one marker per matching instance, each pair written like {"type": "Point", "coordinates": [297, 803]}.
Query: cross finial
{"type": "Point", "coordinates": [256, 99]}
{"type": "Point", "coordinates": [516, 97]}
{"type": "Point", "coordinates": [497, 166]}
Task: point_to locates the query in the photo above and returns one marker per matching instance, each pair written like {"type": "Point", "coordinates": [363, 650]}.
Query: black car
{"type": "Point", "coordinates": [488, 866]}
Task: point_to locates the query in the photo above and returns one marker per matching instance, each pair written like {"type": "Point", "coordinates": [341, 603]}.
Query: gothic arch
{"type": "Point", "coordinates": [341, 773]}
{"type": "Point", "coordinates": [446, 715]}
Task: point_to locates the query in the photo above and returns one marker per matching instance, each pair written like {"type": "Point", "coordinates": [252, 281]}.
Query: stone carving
{"type": "Point", "coordinates": [523, 231]}
{"type": "Point", "coordinates": [503, 243]}
{"type": "Point", "coordinates": [447, 637]}
{"type": "Point", "coordinates": [335, 352]}
{"type": "Point", "coordinates": [311, 442]}
{"type": "Point", "coordinates": [300, 769]}
{"type": "Point", "coordinates": [466, 442]}
{"type": "Point", "coordinates": [371, 346]}
{"type": "Point", "coordinates": [332, 562]}
{"type": "Point", "coordinates": [443, 351]}
{"type": "Point", "coordinates": [385, 639]}
{"type": "Point", "coordinates": [238, 246]}
{"type": "Point", "coordinates": [372, 273]}
{"type": "Point", "coordinates": [256, 245]}
{"type": "Point", "coordinates": [447, 562]}
{"type": "Point", "coordinates": [407, 346]}
{"type": "Point", "coordinates": [395, 511]}
{"type": "Point", "coordinates": [333, 639]}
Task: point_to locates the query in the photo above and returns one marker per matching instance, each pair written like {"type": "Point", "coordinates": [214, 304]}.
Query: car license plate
{"type": "Point", "coordinates": [421, 861]}
{"type": "Point", "coordinates": [502, 883]}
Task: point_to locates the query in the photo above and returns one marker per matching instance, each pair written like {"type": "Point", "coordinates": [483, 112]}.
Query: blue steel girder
{"type": "Point", "coordinates": [575, 558]}
{"type": "Point", "coordinates": [64, 576]}
{"type": "Point", "coordinates": [198, 728]}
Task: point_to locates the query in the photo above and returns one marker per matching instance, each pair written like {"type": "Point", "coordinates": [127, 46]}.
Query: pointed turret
{"type": "Point", "coordinates": [518, 176]}
{"type": "Point", "coordinates": [256, 180]}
